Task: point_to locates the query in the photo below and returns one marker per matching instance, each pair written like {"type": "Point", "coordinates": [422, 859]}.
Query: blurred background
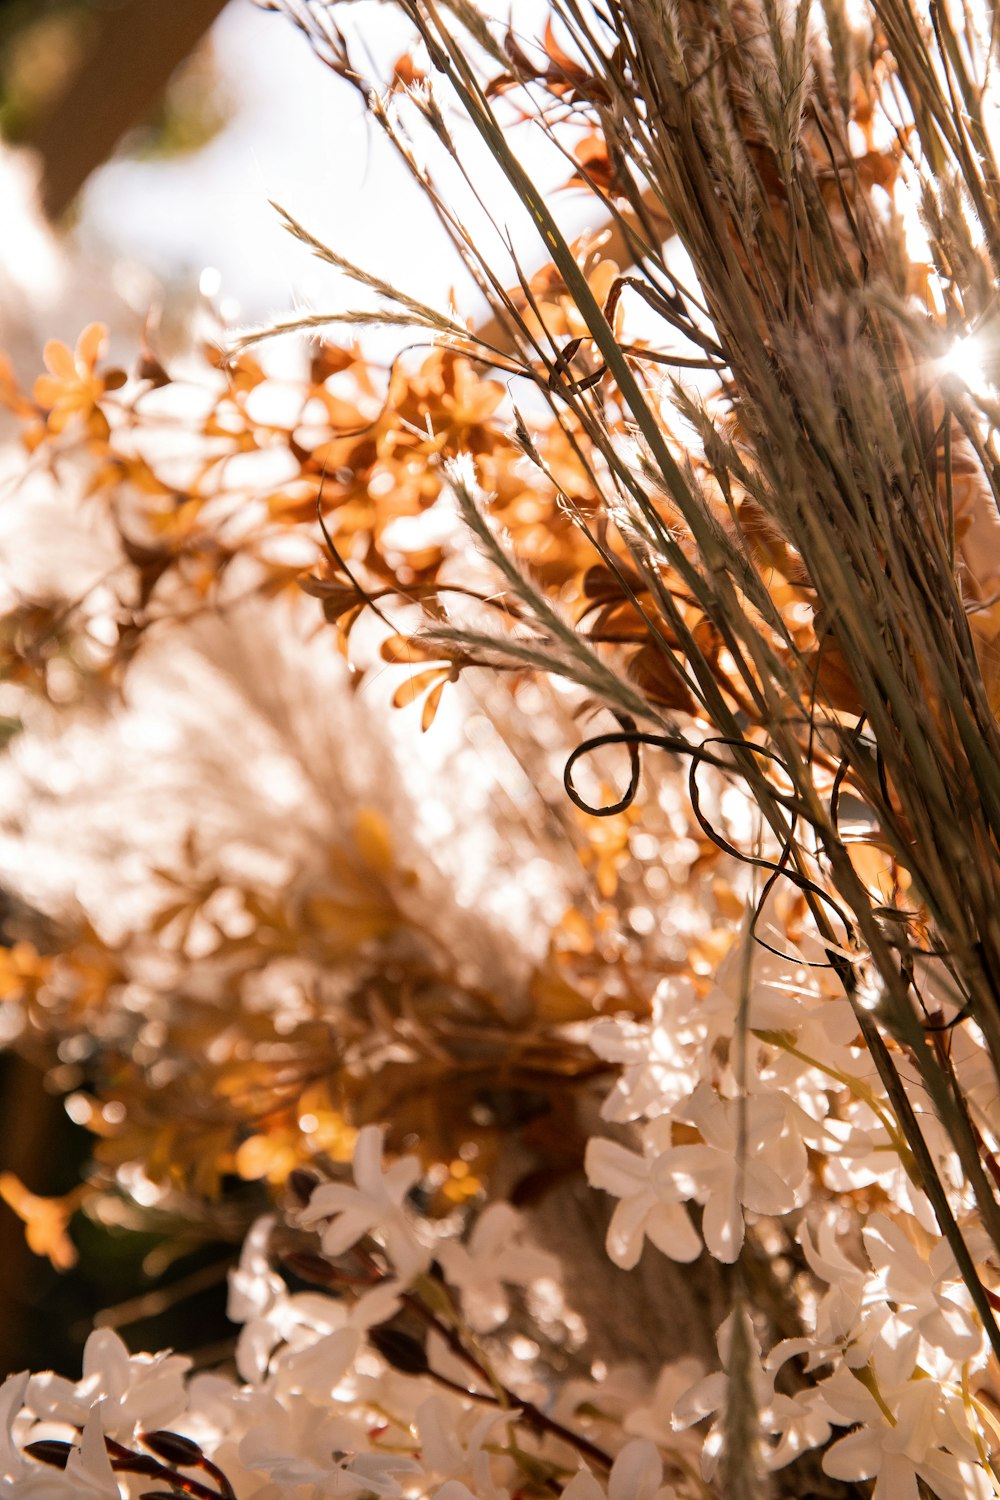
{"type": "Point", "coordinates": [141, 145]}
{"type": "Point", "coordinates": [154, 133]}
{"type": "Point", "coordinates": [140, 142]}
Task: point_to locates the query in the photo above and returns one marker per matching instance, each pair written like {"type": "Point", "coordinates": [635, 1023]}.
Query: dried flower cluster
{"type": "Point", "coordinates": [687, 565]}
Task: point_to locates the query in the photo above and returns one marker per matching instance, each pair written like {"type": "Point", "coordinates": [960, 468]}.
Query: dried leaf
{"type": "Point", "coordinates": [412, 688]}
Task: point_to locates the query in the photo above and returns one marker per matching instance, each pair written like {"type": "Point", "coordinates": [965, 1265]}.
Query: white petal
{"type": "Point", "coordinates": [12, 1398]}
{"type": "Point", "coordinates": [637, 1472]}
{"type": "Point", "coordinates": [401, 1177]}
{"type": "Point", "coordinates": [671, 1231]}
{"type": "Point", "coordinates": [722, 1225]}
{"type": "Point", "coordinates": [583, 1486]}
{"type": "Point", "coordinates": [105, 1356]}
{"type": "Point", "coordinates": [94, 1454]}
{"type": "Point", "coordinates": [691, 1171]}
{"type": "Point", "coordinates": [709, 1114]}
{"type": "Point", "coordinates": [347, 1229]}
{"type": "Point", "coordinates": [856, 1456]}
{"type": "Point", "coordinates": [705, 1397]}
{"type": "Point", "coordinates": [405, 1252]}
{"type": "Point", "coordinates": [332, 1198]}
{"type": "Point", "coordinates": [439, 1445]}
{"type": "Point", "coordinates": [625, 1232]}
{"type": "Point", "coordinates": [952, 1480]}
{"type": "Point", "coordinates": [764, 1191]}
{"type": "Point", "coordinates": [897, 1480]}
{"type": "Point", "coordinates": [613, 1169]}
{"type": "Point", "coordinates": [493, 1229]}
{"type": "Point", "coordinates": [367, 1160]}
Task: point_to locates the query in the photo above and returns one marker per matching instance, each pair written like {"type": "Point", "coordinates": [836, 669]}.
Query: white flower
{"type": "Point", "coordinates": [303, 1444]}
{"type": "Point", "coordinates": [495, 1254]}
{"type": "Point", "coordinates": [920, 1313]}
{"type": "Point", "coordinates": [870, 1156]}
{"type": "Point", "coordinates": [324, 1336]}
{"type": "Point", "coordinates": [847, 1320]}
{"type": "Point", "coordinates": [764, 1174]}
{"type": "Point", "coordinates": [798, 1422]}
{"type": "Point", "coordinates": [321, 1334]}
{"type": "Point", "coordinates": [649, 1208]}
{"type": "Point", "coordinates": [636, 1474]}
{"type": "Point", "coordinates": [709, 1396]}
{"type": "Point", "coordinates": [658, 1058]}
{"type": "Point", "coordinates": [839, 1309]}
{"type": "Point", "coordinates": [905, 1435]}
{"type": "Point", "coordinates": [140, 1391]}
{"type": "Point", "coordinates": [373, 1205]}
{"type": "Point", "coordinates": [453, 1442]}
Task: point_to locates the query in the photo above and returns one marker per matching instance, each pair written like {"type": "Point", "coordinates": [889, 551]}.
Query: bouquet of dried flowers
{"type": "Point", "coordinates": [694, 544]}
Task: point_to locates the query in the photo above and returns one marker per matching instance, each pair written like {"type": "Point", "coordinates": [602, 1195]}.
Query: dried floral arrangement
{"type": "Point", "coordinates": [687, 562]}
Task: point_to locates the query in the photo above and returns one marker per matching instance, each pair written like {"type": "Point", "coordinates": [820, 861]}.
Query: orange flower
{"type": "Point", "coordinates": [46, 1220]}
{"type": "Point", "coordinates": [72, 386]}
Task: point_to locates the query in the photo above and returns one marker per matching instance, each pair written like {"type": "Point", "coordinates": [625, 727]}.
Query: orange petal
{"type": "Point", "coordinates": [59, 416]}
{"type": "Point", "coordinates": [47, 390]}
{"type": "Point", "coordinates": [414, 686]}
{"type": "Point", "coordinates": [602, 278]}
{"type": "Point", "coordinates": [59, 359]}
{"type": "Point", "coordinates": [431, 705]}
{"type": "Point", "coordinates": [90, 344]}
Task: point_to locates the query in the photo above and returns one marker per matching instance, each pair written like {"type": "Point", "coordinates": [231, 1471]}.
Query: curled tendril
{"type": "Point", "coordinates": [630, 736]}
{"type": "Point", "coordinates": [758, 911]}
{"type": "Point", "coordinates": [700, 755]}
{"type": "Point", "coordinates": [634, 739]}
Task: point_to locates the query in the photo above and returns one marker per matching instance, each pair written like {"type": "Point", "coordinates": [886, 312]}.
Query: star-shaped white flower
{"type": "Point", "coordinates": [373, 1206]}
{"type": "Point", "coordinates": [922, 1313]}
{"type": "Point", "coordinates": [710, 1395]}
{"type": "Point", "coordinates": [135, 1391]}
{"type": "Point", "coordinates": [495, 1255]}
{"type": "Point", "coordinates": [911, 1433]}
{"type": "Point", "coordinates": [648, 1209]}
{"type": "Point", "coordinates": [763, 1173]}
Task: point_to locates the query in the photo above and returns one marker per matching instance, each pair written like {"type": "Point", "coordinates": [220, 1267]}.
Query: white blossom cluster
{"type": "Point", "coordinates": [330, 1398]}
{"type": "Point", "coordinates": [314, 1409]}
{"type": "Point", "coordinates": [759, 1106]}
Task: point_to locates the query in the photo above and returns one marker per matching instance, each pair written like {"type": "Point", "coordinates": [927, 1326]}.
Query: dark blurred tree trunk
{"type": "Point", "coordinates": [30, 1120]}
{"type": "Point", "coordinates": [136, 47]}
